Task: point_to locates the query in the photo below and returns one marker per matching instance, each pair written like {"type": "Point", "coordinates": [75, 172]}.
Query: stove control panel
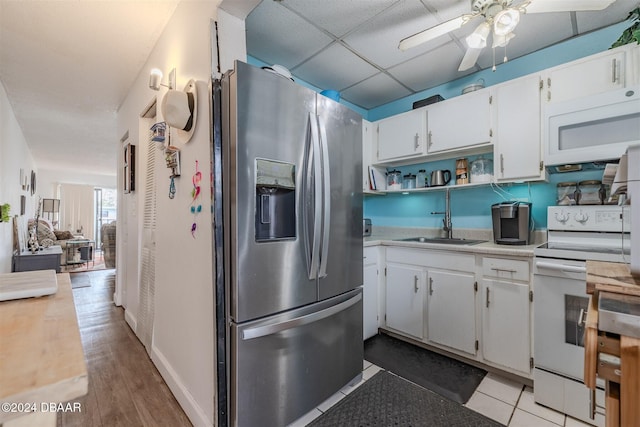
{"type": "Point", "coordinates": [607, 218]}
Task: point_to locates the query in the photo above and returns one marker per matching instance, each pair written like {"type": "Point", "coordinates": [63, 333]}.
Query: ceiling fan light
{"type": "Point", "coordinates": [505, 21]}
{"type": "Point", "coordinates": [478, 39]}
{"type": "Point", "coordinates": [501, 40]}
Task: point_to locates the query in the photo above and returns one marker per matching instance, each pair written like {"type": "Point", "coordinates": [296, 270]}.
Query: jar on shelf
{"type": "Point", "coordinates": [394, 180]}
{"type": "Point", "coordinates": [462, 171]}
{"type": "Point", "coordinates": [421, 179]}
{"type": "Point", "coordinates": [566, 193]}
{"type": "Point", "coordinates": [590, 192]}
{"type": "Point", "coordinates": [481, 170]}
{"type": "Point", "coordinates": [409, 181]}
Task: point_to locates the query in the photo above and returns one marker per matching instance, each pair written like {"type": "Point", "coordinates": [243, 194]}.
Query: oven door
{"type": "Point", "coordinates": [560, 301]}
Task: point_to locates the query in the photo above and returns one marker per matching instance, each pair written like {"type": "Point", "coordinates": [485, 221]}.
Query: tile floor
{"type": "Point", "coordinates": [503, 400]}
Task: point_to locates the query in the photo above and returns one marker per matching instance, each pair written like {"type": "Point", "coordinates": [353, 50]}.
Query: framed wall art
{"type": "Point", "coordinates": [129, 174]}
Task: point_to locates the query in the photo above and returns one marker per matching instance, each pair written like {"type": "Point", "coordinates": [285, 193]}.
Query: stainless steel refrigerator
{"type": "Point", "coordinates": [288, 247]}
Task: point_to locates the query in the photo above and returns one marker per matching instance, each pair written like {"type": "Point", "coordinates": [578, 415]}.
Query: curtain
{"type": "Point", "coordinates": [77, 209]}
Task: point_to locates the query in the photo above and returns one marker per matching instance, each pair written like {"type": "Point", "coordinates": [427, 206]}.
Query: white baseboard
{"type": "Point", "coordinates": [131, 320]}
{"type": "Point", "coordinates": [195, 413]}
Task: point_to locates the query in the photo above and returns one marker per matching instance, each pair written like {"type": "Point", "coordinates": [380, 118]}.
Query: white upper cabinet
{"type": "Point", "coordinates": [588, 76]}
{"type": "Point", "coordinates": [402, 136]}
{"type": "Point", "coordinates": [517, 144]}
{"type": "Point", "coordinates": [459, 122]}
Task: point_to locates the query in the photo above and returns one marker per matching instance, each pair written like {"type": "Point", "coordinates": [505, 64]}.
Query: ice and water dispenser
{"type": "Point", "coordinates": [275, 200]}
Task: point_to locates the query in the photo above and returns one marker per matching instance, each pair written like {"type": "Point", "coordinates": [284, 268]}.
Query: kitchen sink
{"type": "Point", "coordinates": [446, 240]}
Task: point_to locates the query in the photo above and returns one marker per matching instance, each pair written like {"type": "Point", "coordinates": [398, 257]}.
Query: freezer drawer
{"type": "Point", "coordinates": [287, 364]}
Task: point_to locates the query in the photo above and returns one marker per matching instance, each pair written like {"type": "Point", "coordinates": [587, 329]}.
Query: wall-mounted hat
{"type": "Point", "coordinates": [179, 110]}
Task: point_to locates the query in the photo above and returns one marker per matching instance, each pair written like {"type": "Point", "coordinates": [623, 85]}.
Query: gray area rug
{"type": "Point", "coordinates": [388, 400]}
{"type": "Point", "coordinates": [448, 377]}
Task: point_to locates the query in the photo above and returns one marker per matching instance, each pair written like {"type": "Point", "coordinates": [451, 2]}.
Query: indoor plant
{"type": "Point", "coordinates": [632, 33]}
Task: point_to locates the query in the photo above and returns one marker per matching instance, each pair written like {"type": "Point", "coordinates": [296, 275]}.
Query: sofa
{"type": "Point", "coordinates": [47, 236]}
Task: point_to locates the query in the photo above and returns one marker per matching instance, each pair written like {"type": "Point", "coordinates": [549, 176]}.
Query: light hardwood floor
{"type": "Point", "coordinates": [125, 388]}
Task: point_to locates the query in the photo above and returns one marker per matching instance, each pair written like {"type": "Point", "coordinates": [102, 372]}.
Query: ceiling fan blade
{"type": "Point", "coordinates": [433, 32]}
{"type": "Point", "coordinates": [470, 58]}
{"type": "Point", "coordinates": [541, 6]}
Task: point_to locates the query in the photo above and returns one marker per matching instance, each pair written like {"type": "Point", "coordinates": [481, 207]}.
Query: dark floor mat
{"type": "Point", "coordinates": [388, 400]}
{"type": "Point", "coordinates": [448, 377]}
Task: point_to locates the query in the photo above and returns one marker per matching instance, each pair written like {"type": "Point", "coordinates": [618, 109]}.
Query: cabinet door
{"type": "Point", "coordinates": [586, 77]}
{"type": "Point", "coordinates": [370, 299]}
{"type": "Point", "coordinates": [451, 314]}
{"type": "Point", "coordinates": [405, 299]}
{"type": "Point", "coordinates": [459, 122]}
{"type": "Point", "coordinates": [518, 150]}
{"type": "Point", "coordinates": [505, 324]}
{"type": "Point", "coordinates": [402, 136]}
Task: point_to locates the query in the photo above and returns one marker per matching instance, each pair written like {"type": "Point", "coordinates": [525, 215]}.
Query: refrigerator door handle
{"type": "Point", "coordinates": [317, 202]}
{"type": "Point", "coordinates": [262, 331]}
{"type": "Point", "coordinates": [326, 194]}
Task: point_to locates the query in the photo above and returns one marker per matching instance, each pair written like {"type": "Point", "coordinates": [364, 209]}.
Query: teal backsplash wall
{"type": "Point", "coordinates": [470, 207]}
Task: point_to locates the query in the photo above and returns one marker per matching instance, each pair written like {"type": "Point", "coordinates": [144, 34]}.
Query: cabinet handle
{"type": "Point", "coordinates": [430, 285]}
{"type": "Point", "coordinates": [487, 300]}
{"type": "Point", "coordinates": [614, 70]}
{"type": "Point", "coordinates": [415, 284]}
{"type": "Point", "coordinates": [417, 141]}
{"type": "Point", "coordinates": [503, 269]}
{"type": "Point", "coordinates": [429, 139]}
{"type": "Point", "coordinates": [502, 164]}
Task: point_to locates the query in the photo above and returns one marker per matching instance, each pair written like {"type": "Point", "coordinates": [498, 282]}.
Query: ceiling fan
{"type": "Point", "coordinates": [500, 19]}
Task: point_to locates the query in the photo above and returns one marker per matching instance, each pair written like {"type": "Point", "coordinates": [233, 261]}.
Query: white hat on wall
{"type": "Point", "coordinates": [179, 110]}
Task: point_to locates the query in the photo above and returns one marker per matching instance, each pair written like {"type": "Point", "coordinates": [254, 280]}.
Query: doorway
{"type": "Point", "coordinates": [105, 200]}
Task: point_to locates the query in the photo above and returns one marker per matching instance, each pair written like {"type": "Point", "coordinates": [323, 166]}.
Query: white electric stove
{"type": "Point", "coordinates": [575, 234]}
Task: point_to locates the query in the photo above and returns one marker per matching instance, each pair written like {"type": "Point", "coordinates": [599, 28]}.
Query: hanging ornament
{"type": "Point", "coordinates": [195, 207]}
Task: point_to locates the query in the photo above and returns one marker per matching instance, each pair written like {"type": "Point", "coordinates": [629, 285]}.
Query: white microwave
{"type": "Point", "coordinates": [595, 128]}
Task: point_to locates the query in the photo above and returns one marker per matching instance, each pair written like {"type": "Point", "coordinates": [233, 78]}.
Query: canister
{"type": "Point", "coordinates": [590, 192]}
{"type": "Point", "coordinates": [462, 171]}
{"type": "Point", "coordinates": [566, 193]}
{"type": "Point", "coordinates": [394, 180]}
{"type": "Point", "coordinates": [409, 181]}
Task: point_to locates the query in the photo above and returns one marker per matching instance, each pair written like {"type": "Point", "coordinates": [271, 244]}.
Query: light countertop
{"type": "Point", "coordinates": [390, 236]}
{"type": "Point", "coordinates": [41, 353]}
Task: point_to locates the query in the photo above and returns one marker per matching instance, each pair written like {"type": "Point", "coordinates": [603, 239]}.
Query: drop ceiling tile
{"type": "Point", "coordinates": [375, 91]}
{"type": "Point", "coordinates": [448, 9]}
{"type": "Point", "coordinates": [617, 12]}
{"type": "Point", "coordinates": [339, 16]}
{"type": "Point", "coordinates": [276, 35]}
{"type": "Point", "coordinates": [335, 68]}
{"type": "Point", "coordinates": [378, 39]}
{"type": "Point", "coordinates": [431, 69]}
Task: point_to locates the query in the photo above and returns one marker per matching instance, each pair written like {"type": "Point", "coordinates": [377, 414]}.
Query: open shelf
{"type": "Point", "coordinates": [426, 189]}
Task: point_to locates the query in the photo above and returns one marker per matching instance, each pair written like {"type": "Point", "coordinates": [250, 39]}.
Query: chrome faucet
{"type": "Point", "coordinates": [446, 221]}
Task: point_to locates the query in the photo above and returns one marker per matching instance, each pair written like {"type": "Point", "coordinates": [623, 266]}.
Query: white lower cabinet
{"type": "Point", "coordinates": [451, 309]}
{"type": "Point", "coordinates": [506, 314]}
{"type": "Point", "coordinates": [370, 299]}
{"type": "Point", "coordinates": [405, 299]}
{"type": "Point", "coordinates": [476, 306]}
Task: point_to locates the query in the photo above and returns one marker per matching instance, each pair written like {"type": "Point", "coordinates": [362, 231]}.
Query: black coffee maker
{"type": "Point", "coordinates": [511, 223]}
